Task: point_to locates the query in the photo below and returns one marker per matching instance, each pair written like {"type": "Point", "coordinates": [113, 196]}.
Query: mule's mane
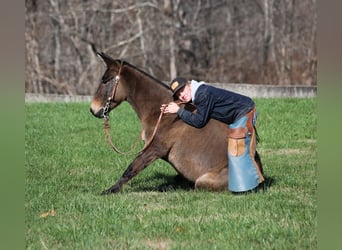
{"type": "Point", "coordinates": [123, 62]}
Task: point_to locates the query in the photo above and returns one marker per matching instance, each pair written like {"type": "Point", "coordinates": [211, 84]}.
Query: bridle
{"type": "Point", "coordinates": [111, 97]}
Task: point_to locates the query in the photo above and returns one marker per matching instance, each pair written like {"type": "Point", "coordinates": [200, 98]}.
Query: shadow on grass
{"type": "Point", "coordinates": [262, 187]}
{"type": "Point", "coordinates": [175, 182]}
{"type": "Point", "coordinates": [170, 183]}
{"type": "Point", "coordinates": [178, 182]}
{"type": "Point", "coordinates": [269, 181]}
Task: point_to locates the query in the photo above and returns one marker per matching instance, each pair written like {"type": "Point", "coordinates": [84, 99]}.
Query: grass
{"type": "Point", "coordinates": [68, 162]}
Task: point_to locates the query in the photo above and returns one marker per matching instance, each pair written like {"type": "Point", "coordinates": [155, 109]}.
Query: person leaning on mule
{"type": "Point", "coordinates": [237, 111]}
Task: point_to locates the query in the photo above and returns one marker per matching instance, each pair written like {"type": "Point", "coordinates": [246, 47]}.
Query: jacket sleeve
{"type": "Point", "coordinates": [204, 106]}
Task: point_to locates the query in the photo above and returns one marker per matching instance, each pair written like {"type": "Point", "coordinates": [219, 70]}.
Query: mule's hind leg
{"type": "Point", "coordinates": [215, 180]}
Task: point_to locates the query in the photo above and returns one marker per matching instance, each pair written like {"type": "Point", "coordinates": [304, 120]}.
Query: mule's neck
{"type": "Point", "coordinates": [146, 95]}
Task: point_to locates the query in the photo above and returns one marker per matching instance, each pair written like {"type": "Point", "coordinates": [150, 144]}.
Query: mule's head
{"type": "Point", "coordinates": [110, 92]}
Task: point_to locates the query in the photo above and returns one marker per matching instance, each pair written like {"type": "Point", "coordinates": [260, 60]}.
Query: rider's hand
{"type": "Point", "coordinates": [170, 108]}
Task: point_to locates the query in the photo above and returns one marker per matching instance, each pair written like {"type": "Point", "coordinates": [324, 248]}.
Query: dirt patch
{"type": "Point", "coordinates": [159, 244]}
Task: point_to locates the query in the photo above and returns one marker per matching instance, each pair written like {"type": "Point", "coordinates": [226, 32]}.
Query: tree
{"type": "Point", "coordinates": [259, 42]}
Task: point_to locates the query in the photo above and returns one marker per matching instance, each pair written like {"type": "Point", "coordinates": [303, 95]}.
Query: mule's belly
{"type": "Point", "coordinates": [200, 150]}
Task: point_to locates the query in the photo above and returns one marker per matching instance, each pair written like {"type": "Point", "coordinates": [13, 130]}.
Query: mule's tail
{"type": "Point", "coordinates": [256, 135]}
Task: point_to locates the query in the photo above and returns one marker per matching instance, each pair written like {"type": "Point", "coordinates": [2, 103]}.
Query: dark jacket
{"type": "Point", "coordinates": [216, 103]}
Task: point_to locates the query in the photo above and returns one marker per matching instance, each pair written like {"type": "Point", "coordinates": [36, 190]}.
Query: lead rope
{"type": "Point", "coordinates": [107, 126]}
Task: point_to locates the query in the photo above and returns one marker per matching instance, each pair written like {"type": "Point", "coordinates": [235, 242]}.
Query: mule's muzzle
{"type": "Point", "coordinates": [99, 113]}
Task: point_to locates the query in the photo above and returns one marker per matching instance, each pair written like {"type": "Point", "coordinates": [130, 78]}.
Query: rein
{"type": "Point", "coordinates": [107, 126]}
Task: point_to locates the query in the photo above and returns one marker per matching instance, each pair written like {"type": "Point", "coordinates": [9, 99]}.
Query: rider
{"type": "Point", "coordinates": [237, 111]}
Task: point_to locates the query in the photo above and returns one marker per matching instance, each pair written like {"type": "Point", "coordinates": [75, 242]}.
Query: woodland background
{"type": "Point", "coordinates": [227, 41]}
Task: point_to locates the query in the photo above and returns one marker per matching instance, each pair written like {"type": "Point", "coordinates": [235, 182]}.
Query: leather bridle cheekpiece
{"type": "Point", "coordinates": [111, 98]}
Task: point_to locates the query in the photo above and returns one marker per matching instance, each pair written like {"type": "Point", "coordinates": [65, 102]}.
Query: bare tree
{"type": "Point", "coordinates": [260, 41]}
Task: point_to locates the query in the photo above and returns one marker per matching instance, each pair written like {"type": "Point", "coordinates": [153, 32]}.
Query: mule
{"type": "Point", "coordinates": [198, 155]}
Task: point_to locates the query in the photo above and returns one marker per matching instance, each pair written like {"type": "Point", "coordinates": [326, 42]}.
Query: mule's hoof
{"type": "Point", "coordinates": [112, 190]}
{"type": "Point", "coordinates": [105, 192]}
{"type": "Point", "coordinates": [108, 191]}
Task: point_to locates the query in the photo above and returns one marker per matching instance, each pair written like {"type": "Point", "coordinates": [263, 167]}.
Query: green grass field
{"type": "Point", "coordinates": [68, 162]}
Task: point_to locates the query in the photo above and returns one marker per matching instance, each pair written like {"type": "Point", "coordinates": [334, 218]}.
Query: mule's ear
{"type": "Point", "coordinates": [105, 58]}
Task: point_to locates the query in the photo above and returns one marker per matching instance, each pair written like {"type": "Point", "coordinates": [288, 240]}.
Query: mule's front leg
{"type": "Point", "coordinates": [139, 163]}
